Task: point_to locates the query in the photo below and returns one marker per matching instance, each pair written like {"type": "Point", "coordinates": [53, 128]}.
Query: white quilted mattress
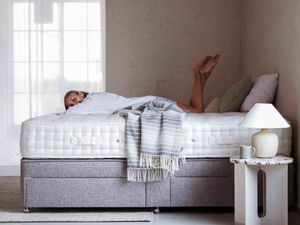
{"type": "Point", "coordinates": [103, 136]}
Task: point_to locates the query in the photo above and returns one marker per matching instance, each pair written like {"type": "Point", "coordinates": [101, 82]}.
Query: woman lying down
{"type": "Point", "coordinates": [154, 133]}
{"type": "Point", "coordinates": [80, 102]}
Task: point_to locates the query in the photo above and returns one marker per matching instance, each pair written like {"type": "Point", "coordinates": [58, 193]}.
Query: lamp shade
{"type": "Point", "coordinates": [263, 115]}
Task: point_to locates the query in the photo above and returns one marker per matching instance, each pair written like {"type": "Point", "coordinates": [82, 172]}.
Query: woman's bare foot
{"type": "Point", "coordinates": [196, 67]}
{"type": "Point", "coordinates": [210, 64]}
{"type": "Point", "coordinates": [208, 67]}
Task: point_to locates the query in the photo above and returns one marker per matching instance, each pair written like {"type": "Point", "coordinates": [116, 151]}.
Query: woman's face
{"type": "Point", "coordinates": [74, 99]}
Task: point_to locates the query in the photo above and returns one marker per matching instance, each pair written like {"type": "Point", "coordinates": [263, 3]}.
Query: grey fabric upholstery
{"type": "Point", "coordinates": [83, 192]}
{"type": "Point", "coordinates": [102, 183]}
{"type": "Point", "coordinates": [73, 167]}
{"type": "Point", "coordinates": [202, 191]}
{"type": "Point", "coordinates": [158, 193]}
{"type": "Point", "coordinates": [206, 168]}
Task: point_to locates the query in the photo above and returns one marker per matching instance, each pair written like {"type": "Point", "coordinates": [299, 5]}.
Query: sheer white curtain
{"type": "Point", "coordinates": [47, 47]}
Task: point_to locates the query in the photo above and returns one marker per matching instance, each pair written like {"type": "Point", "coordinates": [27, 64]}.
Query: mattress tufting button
{"type": "Point", "coordinates": [117, 140]}
{"type": "Point", "coordinates": [193, 140]}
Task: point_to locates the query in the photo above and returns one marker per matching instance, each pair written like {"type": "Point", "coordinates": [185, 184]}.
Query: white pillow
{"type": "Point", "coordinates": [263, 91]}
{"type": "Point", "coordinates": [213, 106]}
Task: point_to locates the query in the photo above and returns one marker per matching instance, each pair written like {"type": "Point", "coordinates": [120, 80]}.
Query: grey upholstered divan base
{"type": "Point", "coordinates": [102, 183]}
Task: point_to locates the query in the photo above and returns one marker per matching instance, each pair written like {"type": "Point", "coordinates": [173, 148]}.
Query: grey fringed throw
{"type": "Point", "coordinates": [154, 138]}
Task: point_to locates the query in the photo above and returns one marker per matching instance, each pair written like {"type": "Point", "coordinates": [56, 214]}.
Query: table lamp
{"type": "Point", "coordinates": [264, 116]}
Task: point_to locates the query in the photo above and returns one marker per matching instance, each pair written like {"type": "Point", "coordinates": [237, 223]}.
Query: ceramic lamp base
{"type": "Point", "coordinates": [265, 143]}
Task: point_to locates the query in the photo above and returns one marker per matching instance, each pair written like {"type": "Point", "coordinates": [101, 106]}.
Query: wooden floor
{"type": "Point", "coordinates": [10, 197]}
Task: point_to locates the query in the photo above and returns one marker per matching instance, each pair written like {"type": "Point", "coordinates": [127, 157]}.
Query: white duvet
{"type": "Point", "coordinates": [105, 102]}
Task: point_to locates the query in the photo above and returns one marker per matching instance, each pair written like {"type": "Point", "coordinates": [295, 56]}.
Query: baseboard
{"type": "Point", "coordinates": [13, 170]}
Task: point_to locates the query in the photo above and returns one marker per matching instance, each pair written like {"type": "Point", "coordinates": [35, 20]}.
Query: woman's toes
{"type": "Point", "coordinates": [202, 62]}
{"type": "Point", "coordinates": [209, 66]}
{"type": "Point", "coordinates": [217, 57]}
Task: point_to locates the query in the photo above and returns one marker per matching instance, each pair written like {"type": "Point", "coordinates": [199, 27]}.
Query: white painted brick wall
{"type": "Point", "coordinates": [152, 44]}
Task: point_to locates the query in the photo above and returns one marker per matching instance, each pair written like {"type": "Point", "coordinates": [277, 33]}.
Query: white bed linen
{"type": "Point", "coordinates": [105, 102]}
{"type": "Point", "coordinates": [103, 136]}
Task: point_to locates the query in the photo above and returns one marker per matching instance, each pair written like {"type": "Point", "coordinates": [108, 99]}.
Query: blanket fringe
{"type": "Point", "coordinates": [154, 168]}
{"type": "Point", "coordinates": [146, 175]}
{"type": "Point", "coordinates": [169, 163]}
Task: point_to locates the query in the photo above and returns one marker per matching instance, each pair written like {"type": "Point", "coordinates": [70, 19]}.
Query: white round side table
{"type": "Point", "coordinates": [245, 190]}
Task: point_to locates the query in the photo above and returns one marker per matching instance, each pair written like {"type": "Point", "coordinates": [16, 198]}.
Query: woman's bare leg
{"type": "Point", "coordinates": [207, 69]}
{"type": "Point", "coordinates": [201, 71]}
{"type": "Point", "coordinates": [196, 100]}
